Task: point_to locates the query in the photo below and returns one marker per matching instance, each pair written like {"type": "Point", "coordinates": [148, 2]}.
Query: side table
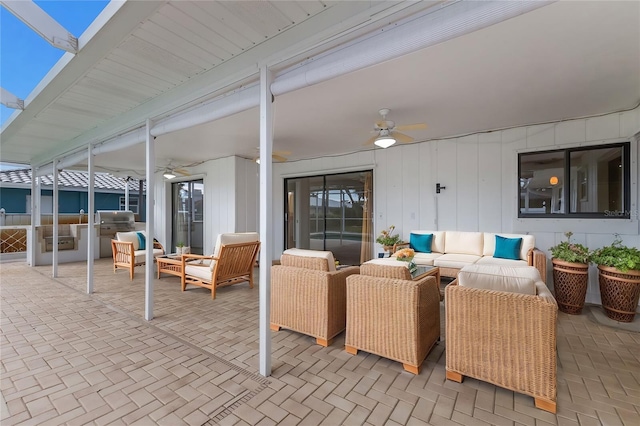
{"type": "Point", "coordinates": [170, 264]}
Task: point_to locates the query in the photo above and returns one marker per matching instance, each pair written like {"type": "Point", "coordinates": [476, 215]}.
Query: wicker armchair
{"type": "Point", "coordinates": [391, 315]}
{"type": "Point", "coordinates": [126, 250]}
{"type": "Point", "coordinates": [308, 294]}
{"type": "Point", "coordinates": [503, 337]}
{"type": "Point", "coordinates": [233, 260]}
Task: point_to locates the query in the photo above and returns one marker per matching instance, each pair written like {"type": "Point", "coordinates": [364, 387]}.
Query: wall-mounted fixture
{"type": "Point", "coordinates": [553, 180]}
{"type": "Point", "coordinates": [438, 188]}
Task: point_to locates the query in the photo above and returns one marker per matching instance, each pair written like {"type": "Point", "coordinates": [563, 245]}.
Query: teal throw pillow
{"type": "Point", "coordinates": [421, 242]}
{"type": "Point", "coordinates": [142, 244]}
{"type": "Point", "coordinates": [507, 248]}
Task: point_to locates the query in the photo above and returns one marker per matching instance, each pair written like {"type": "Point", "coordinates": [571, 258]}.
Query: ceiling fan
{"type": "Point", "coordinates": [170, 171]}
{"type": "Point", "coordinates": [387, 133]}
{"type": "Point", "coordinates": [279, 156]}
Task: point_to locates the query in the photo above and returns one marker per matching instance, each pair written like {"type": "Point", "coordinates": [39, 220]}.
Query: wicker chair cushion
{"type": "Point", "coordinates": [233, 238]}
{"type": "Point", "coordinates": [425, 258]}
{"type": "Point", "coordinates": [528, 242]}
{"type": "Point", "coordinates": [327, 255]}
{"type": "Point", "coordinates": [500, 278]}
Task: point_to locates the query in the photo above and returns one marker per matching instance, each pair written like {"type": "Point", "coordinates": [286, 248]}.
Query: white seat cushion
{"type": "Point", "coordinates": [387, 261]}
{"type": "Point", "coordinates": [314, 253]}
{"type": "Point", "coordinates": [201, 272]}
{"type": "Point", "coordinates": [425, 259]}
{"type": "Point", "coordinates": [500, 278]}
{"type": "Point", "coordinates": [490, 260]}
{"type": "Point", "coordinates": [139, 255]}
{"type": "Point", "coordinates": [453, 260]}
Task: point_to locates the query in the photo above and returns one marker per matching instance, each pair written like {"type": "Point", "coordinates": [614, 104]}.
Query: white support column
{"type": "Point", "coordinates": [54, 263]}
{"type": "Point", "coordinates": [91, 232]}
{"type": "Point", "coordinates": [126, 193]}
{"type": "Point", "coordinates": [149, 266]}
{"type": "Point", "coordinates": [33, 238]}
{"type": "Point", "coordinates": [38, 196]}
{"type": "Point", "coordinates": [266, 213]}
{"type": "Point", "coordinates": [39, 21]}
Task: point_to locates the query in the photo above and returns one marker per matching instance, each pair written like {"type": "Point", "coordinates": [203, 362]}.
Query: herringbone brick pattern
{"type": "Point", "coordinates": [70, 358]}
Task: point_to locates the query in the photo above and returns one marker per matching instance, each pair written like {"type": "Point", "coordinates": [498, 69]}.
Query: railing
{"type": "Point", "coordinates": [13, 240]}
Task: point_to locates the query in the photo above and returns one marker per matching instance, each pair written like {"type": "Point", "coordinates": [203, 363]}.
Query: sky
{"type": "Point", "coordinates": [25, 57]}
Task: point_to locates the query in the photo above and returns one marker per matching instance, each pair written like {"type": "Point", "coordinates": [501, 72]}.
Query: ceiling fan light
{"type": "Point", "coordinates": [168, 174]}
{"type": "Point", "coordinates": [384, 141]}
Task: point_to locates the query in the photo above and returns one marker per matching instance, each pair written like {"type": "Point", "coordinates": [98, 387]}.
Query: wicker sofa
{"type": "Point", "coordinates": [391, 315]}
{"type": "Point", "coordinates": [308, 294]}
{"type": "Point", "coordinates": [501, 328]}
{"type": "Point", "coordinates": [127, 253]}
{"type": "Point", "coordinates": [453, 250]}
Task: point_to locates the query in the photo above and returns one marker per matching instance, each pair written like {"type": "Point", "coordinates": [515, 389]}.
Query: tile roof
{"type": "Point", "coordinates": [71, 179]}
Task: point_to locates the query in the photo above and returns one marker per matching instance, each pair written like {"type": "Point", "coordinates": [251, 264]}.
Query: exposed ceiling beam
{"type": "Point", "coordinates": [42, 23]}
{"type": "Point", "coordinates": [10, 100]}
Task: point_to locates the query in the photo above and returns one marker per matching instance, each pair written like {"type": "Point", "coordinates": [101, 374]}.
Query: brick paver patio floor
{"type": "Point", "coordinates": [72, 358]}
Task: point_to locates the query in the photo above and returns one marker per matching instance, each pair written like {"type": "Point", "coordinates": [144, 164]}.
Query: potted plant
{"type": "Point", "coordinates": [619, 278]}
{"type": "Point", "coordinates": [570, 274]}
{"type": "Point", "coordinates": [182, 249]}
{"type": "Point", "coordinates": [406, 255]}
{"type": "Point", "coordinates": [387, 239]}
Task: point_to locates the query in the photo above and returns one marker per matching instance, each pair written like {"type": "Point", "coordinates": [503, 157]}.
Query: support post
{"type": "Point", "coordinates": [33, 238]}
{"type": "Point", "coordinates": [150, 216]}
{"type": "Point", "coordinates": [55, 219]}
{"type": "Point", "coordinates": [266, 232]}
{"type": "Point", "coordinates": [126, 193]}
{"type": "Point", "coordinates": [91, 232]}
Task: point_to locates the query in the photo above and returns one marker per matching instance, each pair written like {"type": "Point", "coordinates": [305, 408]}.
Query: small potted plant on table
{"type": "Point", "coordinates": [570, 274]}
{"type": "Point", "coordinates": [387, 240]}
{"type": "Point", "coordinates": [619, 278]}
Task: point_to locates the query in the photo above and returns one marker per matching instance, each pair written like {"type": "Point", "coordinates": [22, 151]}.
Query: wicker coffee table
{"type": "Point", "coordinates": [170, 264]}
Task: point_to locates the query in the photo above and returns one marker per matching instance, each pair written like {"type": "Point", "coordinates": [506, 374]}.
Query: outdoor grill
{"type": "Point", "coordinates": [111, 222]}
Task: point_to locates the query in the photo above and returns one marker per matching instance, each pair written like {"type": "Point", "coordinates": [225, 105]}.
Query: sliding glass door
{"type": "Point", "coordinates": [331, 212]}
{"type": "Point", "coordinates": [188, 214]}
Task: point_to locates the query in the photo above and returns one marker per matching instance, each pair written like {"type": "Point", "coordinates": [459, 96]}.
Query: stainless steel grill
{"type": "Point", "coordinates": [114, 221]}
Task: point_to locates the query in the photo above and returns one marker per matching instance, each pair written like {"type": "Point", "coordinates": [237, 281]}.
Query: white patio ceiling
{"type": "Point", "coordinates": [150, 59]}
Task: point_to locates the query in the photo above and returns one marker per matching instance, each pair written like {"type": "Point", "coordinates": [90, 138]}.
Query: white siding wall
{"type": "Point", "coordinates": [230, 199]}
{"type": "Point", "coordinates": [480, 175]}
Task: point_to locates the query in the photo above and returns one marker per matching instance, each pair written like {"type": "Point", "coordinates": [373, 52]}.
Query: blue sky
{"type": "Point", "coordinates": [25, 57]}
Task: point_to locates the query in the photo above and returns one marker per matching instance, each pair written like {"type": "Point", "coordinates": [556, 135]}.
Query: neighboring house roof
{"type": "Point", "coordinates": [69, 179]}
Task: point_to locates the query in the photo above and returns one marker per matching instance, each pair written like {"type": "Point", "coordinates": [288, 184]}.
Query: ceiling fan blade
{"type": "Point", "coordinates": [279, 158]}
{"type": "Point", "coordinates": [371, 140]}
{"type": "Point", "coordinates": [401, 137]}
{"type": "Point", "coordinates": [281, 153]}
{"type": "Point", "coordinates": [183, 172]}
{"type": "Point", "coordinates": [417, 126]}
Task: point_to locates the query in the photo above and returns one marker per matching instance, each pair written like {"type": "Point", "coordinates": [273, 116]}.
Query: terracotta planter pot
{"type": "Point", "coordinates": [619, 292]}
{"type": "Point", "coordinates": [570, 282]}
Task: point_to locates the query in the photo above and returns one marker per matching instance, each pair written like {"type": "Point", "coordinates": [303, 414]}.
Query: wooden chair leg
{"type": "Point", "coordinates": [414, 369]}
{"type": "Point", "coordinates": [456, 377]}
{"type": "Point", "coordinates": [350, 349]}
{"type": "Point", "coordinates": [546, 405]}
{"type": "Point", "coordinates": [323, 342]}
{"type": "Point", "coordinates": [274, 327]}
{"type": "Point", "coordinates": [131, 272]}
{"type": "Point", "coordinates": [213, 291]}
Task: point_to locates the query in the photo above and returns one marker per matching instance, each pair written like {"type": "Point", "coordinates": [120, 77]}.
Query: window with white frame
{"type": "Point", "coordinates": [133, 204]}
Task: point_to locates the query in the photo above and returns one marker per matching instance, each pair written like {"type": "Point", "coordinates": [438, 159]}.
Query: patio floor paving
{"type": "Point", "coordinates": [72, 358]}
